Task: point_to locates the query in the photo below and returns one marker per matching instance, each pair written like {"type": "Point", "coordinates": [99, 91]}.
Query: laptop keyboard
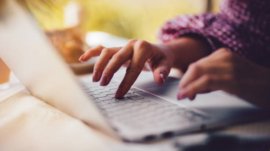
{"type": "Point", "coordinates": [140, 110]}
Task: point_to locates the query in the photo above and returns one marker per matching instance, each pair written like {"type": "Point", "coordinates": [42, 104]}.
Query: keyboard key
{"type": "Point", "coordinates": [139, 110]}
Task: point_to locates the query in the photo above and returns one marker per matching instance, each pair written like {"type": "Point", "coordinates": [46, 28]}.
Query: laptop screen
{"type": "Point", "coordinates": [30, 55]}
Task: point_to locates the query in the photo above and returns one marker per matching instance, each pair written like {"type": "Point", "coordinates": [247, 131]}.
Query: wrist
{"type": "Point", "coordinates": [187, 50]}
{"type": "Point", "coordinates": [167, 51]}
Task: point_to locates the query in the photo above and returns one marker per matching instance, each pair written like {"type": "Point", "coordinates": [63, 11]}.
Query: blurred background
{"type": "Point", "coordinates": [125, 18]}
{"type": "Point", "coordinates": [75, 25]}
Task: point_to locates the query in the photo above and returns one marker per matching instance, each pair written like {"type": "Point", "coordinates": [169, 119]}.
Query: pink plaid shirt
{"type": "Point", "coordinates": [241, 25]}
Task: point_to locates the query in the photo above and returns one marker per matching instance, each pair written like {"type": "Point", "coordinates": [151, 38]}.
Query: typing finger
{"type": "Point", "coordinates": [206, 83]}
{"type": "Point", "coordinates": [117, 60]}
{"type": "Point", "coordinates": [140, 55]}
{"type": "Point", "coordinates": [193, 72]}
{"type": "Point", "coordinates": [200, 85]}
{"type": "Point", "coordinates": [91, 53]}
{"type": "Point", "coordinates": [103, 60]}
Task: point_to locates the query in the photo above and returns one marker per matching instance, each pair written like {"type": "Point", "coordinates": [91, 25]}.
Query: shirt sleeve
{"type": "Point", "coordinates": [198, 25]}
{"type": "Point", "coordinates": [240, 26]}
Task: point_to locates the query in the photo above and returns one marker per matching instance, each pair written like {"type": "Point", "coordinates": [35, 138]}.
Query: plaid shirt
{"type": "Point", "coordinates": [241, 25]}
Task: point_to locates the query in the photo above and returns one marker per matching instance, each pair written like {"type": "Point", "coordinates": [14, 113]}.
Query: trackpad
{"type": "Point", "coordinates": [170, 89]}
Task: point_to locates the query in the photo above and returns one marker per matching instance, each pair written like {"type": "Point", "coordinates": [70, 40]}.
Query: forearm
{"type": "Point", "coordinates": [189, 38]}
{"type": "Point", "coordinates": [236, 27]}
{"type": "Point", "coordinates": [187, 50]}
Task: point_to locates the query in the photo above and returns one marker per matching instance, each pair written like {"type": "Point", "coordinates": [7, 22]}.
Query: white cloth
{"type": "Point", "coordinates": [29, 124]}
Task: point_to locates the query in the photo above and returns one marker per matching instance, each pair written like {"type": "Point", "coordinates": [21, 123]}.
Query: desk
{"type": "Point", "coordinates": [34, 125]}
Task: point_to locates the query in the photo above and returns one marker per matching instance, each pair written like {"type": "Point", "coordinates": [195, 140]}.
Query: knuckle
{"type": "Point", "coordinates": [224, 50]}
{"type": "Point", "coordinates": [195, 67]}
{"type": "Point", "coordinates": [141, 45]}
{"type": "Point", "coordinates": [106, 51]}
{"type": "Point", "coordinates": [100, 47]}
{"type": "Point", "coordinates": [132, 41]}
{"type": "Point", "coordinates": [227, 54]}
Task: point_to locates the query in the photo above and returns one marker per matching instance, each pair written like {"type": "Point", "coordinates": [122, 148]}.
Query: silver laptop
{"type": "Point", "coordinates": [148, 112]}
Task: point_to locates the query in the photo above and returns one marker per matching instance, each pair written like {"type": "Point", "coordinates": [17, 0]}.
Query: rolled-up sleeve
{"type": "Point", "coordinates": [199, 25]}
{"type": "Point", "coordinates": [241, 25]}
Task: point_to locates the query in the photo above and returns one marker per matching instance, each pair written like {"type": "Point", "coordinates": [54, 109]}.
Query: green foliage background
{"type": "Point", "coordinates": [126, 18]}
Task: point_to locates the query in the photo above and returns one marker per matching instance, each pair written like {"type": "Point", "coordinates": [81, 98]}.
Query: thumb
{"type": "Point", "coordinates": [161, 73]}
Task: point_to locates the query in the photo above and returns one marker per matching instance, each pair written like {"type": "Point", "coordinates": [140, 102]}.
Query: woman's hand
{"type": "Point", "coordinates": [136, 54]}
{"type": "Point", "coordinates": [226, 71]}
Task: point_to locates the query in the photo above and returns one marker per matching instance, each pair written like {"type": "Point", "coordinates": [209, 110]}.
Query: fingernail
{"type": "Point", "coordinates": [119, 94]}
{"type": "Point", "coordinates": [192, 98]}
{"type": "Point", "coordinates": [105, 80]}
{"type": "Point", "coordinates": [96, 76]}
{"type": "Point", "coordinates": [81, 59]}
{"type": "Point", "coordinates": [121, 91]}
{"type": "Point", "coordinates": [162, 76]}
{"type": "Point", "coordinates": [180, 96]}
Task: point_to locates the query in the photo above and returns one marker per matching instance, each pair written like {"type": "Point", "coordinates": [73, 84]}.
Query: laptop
{"type": "Point", "coordinates": [148, 112]}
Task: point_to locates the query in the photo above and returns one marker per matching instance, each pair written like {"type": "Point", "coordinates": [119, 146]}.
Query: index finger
{"type": "Point", "coordinates": [130, 77]}
{"type": "Point", "coordinates": [138, 60]}
{"type": "Point", "coordinates": [91, 53]}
